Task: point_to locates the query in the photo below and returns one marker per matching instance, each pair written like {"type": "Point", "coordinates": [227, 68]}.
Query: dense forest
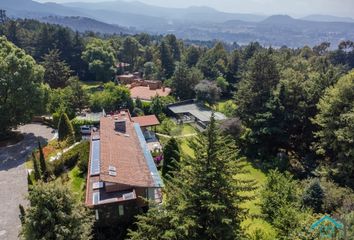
{"type": "Point", "coordinates": [291, 114]}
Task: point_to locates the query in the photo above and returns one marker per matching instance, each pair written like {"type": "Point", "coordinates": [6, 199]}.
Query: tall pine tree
{"type": "Point", "coordinates": [167, 63]}
{"type": "Point", "coordinates": [203, 199]}
{"type": "Point", "coordinates": [36, 171]}
{"type": "Point", "coordinates": [57, 72]}
{"type": "Point", "coordinates": [171, 157]}
{"type": "Point", "coordinates": [42, 163]}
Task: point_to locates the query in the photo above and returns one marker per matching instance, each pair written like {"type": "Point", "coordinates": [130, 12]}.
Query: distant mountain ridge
{"type": "Point", "coordinates": [83, 24]}
{"type": "Point", "coordinates": [194, 13]}
{"type": "Point", "coordinates": [327, 18]}
{"type": "Point", "coordinates": [195, 23]}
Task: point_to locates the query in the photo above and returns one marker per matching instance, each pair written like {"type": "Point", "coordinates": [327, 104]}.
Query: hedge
{"type": "Point", "coordinates": [77, 155]}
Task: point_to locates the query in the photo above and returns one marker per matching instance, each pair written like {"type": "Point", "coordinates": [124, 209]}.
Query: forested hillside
{"type": "Point", "coordinates": [291, 116]}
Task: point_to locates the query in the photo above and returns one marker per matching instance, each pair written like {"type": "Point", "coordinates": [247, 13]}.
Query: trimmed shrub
{"type": "Point", "coordinates": [84, 157]}
{"type": "Point", "coordinates": [56, 118]}
{"type": "Point", "coordinates": [65, 129]}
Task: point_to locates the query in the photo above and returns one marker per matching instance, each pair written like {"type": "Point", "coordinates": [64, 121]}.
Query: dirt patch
{"type": "Point", "coordinates": [11, 139]}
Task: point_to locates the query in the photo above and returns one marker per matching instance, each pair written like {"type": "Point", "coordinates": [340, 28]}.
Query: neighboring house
{"type": "Point", "coordinates": [142, 88]}
{"type": "Point", "coordinates": [121, 172]}
{"type": "Point", "coordinates": [191, 111]}
{"type": "Point", "coordinates": [147, 93]}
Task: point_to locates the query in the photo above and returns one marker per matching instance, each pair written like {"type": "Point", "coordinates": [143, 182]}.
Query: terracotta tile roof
{"type": "Point", "coordinates": [123, 151]}
{"type": "Point", "coordinates": [145, 93]}
{"type": "Point", "coordinates": [146, 121]}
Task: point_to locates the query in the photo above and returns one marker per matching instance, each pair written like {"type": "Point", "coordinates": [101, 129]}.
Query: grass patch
{"type": "Point", "coordinates": [260, 226]}
{"type": "Point", "coordinates": [185, 149]}
{"type": "Point", "coordinates": [260, 178]}
{"type": "Point", "coordinates": [187, 129]}
{"type": "Point", "coordinates": [90, 84]}
{"type": "Point", "coordinates": [77, 182]}
{"type": "Point", "coordinates": [227, 107]}
{"type": "Point", "coordinates": [256, 224]}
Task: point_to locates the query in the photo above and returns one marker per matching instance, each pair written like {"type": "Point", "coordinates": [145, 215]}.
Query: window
{"type": "Point", "coordinates": [121, 210]}
{"type": "Point", "coordinates": [96, 198]}
{"type": "Point", "coordinates": [97, 185]}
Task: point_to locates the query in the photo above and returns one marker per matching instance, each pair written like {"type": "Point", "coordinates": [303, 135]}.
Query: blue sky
{"type": "Point", "coordinates": [344, 8]}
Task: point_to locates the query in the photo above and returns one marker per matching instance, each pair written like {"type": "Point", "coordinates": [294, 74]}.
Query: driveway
{"type": "Point", "coordinates": [13, 177]}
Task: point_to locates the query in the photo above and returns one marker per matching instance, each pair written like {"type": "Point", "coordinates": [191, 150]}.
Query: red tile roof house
{"type": "Point", "coordinates": [121, 170]}
{"type": "Point", "coordinates": [143, 88]}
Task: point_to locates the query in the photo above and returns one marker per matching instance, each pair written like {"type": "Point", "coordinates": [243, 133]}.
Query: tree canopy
{"type": "Point", "coordinates": [53, 213]}
{"type": "Point", "coordinates": [20, 84]}
{"type": "Point", "coordinates": [100, 57]}
{"type": "Point", "coordinates": [336, 122]}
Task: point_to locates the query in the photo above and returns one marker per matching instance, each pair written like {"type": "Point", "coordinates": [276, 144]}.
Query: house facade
{"type": "Point", "coordinates": [121, 172]}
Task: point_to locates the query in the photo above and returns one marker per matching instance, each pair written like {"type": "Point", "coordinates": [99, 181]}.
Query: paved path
{"type": "Point", "coordinates": [13, 177]}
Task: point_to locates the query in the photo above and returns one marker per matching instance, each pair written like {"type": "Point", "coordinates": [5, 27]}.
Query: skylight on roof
{"type": "Point", "coordinates": [95, 157]}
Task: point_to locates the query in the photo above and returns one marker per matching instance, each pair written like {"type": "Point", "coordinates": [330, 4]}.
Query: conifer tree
{"type": "Point", "coordinates": [203, 197]}
{"type": "Point", "coordinates": [36, 171]}
{"type": "Point", "coordinates": [65, 129]}
{"type": "Point", "coordinates": [54, 213]}
{"type": "Point", "coordinates": [138, 103]}
{"type": "Point", "coordinates": [314, 196]}
{"type": "Point", "coordinates": [22, 215]}
{"type": "Point", "coordinates": [42, 163]}
{"type": "Point", "coordinates": [171, 157]}
{"type": "Point", "coordinates": [166, 60]}
{"type": "Point", "coordinates": [57, 72]}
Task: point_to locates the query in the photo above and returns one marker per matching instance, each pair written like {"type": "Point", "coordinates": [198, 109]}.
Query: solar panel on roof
{"type": "Point", "coordinates": [149, 160]}
{"type": "Point", "coordinates": [95, 157]}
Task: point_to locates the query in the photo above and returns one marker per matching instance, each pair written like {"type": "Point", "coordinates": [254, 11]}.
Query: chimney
{"type": "Point", "coordinates": [120, 126]}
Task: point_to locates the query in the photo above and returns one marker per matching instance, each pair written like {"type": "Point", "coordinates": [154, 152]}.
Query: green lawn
{"type": "Point", "coordinates": [185, 147]}
{"type": "Point", "coordinates": [188, 129]}
{"type": "Point", "coordinates": [226, 107]}
{"type": "Point", "coordinates": [88, 84]}
{"type": "Point", "coordinates": [76, 182]}
{"type": "Point", "coordinates": [90, 87]}
{"type": "Point", "coordinates": [251, 225]}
